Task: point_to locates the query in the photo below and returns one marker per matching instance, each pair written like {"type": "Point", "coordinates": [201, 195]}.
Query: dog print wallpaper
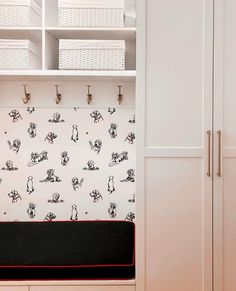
{"type": "Point", "coordinates": [67, 164]}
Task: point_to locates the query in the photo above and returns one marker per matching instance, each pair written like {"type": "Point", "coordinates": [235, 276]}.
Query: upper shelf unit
{"type": "Point", "coordinates": [47, 38]}
{"type": "Point", "coordinates": [51, 13]}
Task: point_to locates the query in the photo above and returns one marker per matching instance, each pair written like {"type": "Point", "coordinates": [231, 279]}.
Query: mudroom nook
{"type": "Point", "coordinates": [117, 145]}
{"type": "Point", "coordinates": [68, 140]}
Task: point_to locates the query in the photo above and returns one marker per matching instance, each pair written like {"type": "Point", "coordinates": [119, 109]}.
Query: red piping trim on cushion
{"type": "Point", "coordinates": [70, 279]}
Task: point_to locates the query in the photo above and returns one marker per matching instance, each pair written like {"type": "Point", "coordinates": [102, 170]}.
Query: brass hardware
{"type": "Point", "coordinates": [58, 95]}
{"type": "Point", "coordinates": [27, 96]}
{"type": "Point", "coordinates": [209, 154]}
{"type": "Point", "coordinates": [219, 132]}
{"type": "Point", "coordinates": [89, 95]}
{"type": "Point", "coordinates": [120, 96]}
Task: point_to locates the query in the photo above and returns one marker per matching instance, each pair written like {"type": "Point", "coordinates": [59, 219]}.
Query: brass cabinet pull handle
{"type": "Point", "coordinates": [219, 132]}
{"type": "Point", "coordinates": [209, 154]}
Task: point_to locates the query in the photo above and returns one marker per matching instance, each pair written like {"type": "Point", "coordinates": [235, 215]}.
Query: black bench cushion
{"type": "Point", "coordinates": [67, 250]}
{"type": "Point", "coordinates": [67, 244]}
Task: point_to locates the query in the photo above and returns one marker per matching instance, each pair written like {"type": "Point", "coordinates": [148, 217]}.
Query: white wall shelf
{"type": "Point", "coordinates": [62, 75]}
{"type": "Point", "coordinates": [126, 33]}
{"type": "Point", "coordinates": [32, 33]}
{"type": "Point", "coordinates": [23, 28]}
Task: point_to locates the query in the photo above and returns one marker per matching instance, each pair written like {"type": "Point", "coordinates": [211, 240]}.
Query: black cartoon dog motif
{"type": "Point", "coordinates": [64, 158]}
{"type": "Point", "coordinates": [117, 158]}
{"type": "Point", "coordinates": [97, 116]}
{"type": "Point", "coordinates": [31, 210]}
{"type": "Point", "coordinates": [56, 198]}
{"type": "Point", "coordinates": [9, 166]}
{"type": "Point", "coordinates": [76, 183]}
{"type": "Point", "coordinates": [112, 210]}
{"type": "Point", "coordinates": [111, 110]}
{"type": "Point", "coordinates": [74, 213]}
{"type": "Point", "coordinates": [113, 130]}
{"type": "Point", "coordinates": [15, 115]}
{"type": "Point", "coordinates": [50, 217]}
{"type": "Point", "coordinates": [50, 137]}
{"type": "Point", "coordinates": [15, 196]}
{"type": "Point", "coordinates": [130, 138]}
{"type": "Point", "coordinates": [132, 120]}
{"type": "Point", "coordinates": [130, 217]}
{"type": "Point", "coordinates": [111, 185]}
{"type": "Point", "coordinates": [15, 145]}
{"type": "Point", "coordinates": [30, 110]}
{"type": "Point", "coordinates": [91, 166]}
{"type": "Point", "coordinates": [30, 185]}
{"type": "Point", "coordinates": [97, 146]}
{"type": "Point", "coordinates": [131, 176]}
{"type": "Point", "coordinates": [32, 130]}
{"type": "Point", "coordinates": [96, 195]}
{"type": "Point", "coordinates": [56, 118]}
{"type": "Point", "coordinates": [133, 199]}
{"type": "Point", "coordinates": [75, 133]}
{"type": "Point", "coordinates": [51, 177]}
{"type": "Point", "coordinates": [36, 158]}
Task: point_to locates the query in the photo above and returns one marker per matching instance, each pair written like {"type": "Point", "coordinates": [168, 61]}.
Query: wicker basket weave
{"type": "Point", "coordinates": [19, 55]}
{"type": "Point", "coordinates": [91, 55]}
{"type": "Point", "coordinates": [95, 13]}
{"type": "Point", "coordinates": [19, 13]}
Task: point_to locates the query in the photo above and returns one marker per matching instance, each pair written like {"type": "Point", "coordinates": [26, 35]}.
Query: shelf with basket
{"type": "Point", "coordinates": [79, 13]}
{"type": "Point", "coordinates": [53, 37]}
{"type": "Point", "coordinates": [47, 34]}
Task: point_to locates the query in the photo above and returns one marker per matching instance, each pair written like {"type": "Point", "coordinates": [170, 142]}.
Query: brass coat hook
{"type": "Point", "coordinates": [89, 95]}
{"type": "Point", "coordinates": [27, 96]}
{"type": "Point", "coordinates": [58, 95]}
{"type": "Point", "coordinates": [120, 95]}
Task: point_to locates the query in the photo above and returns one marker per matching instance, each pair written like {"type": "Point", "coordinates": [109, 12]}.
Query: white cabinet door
{"type": "Point", "coordinates": [225, 120]}
{"type": "Point", "coordinates": [174, 153]}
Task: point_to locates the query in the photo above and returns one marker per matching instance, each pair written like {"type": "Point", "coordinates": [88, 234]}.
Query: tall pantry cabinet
{"type": "Point", "coordinates": [186, 69]}
{"type": "Point", "coordinates": [225, 153]}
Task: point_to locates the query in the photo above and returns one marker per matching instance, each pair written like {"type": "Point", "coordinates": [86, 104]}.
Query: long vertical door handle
{"type": "Point", "coordinates": [209, 154]}
{"type": "Point", "coordinates": [219, 132]}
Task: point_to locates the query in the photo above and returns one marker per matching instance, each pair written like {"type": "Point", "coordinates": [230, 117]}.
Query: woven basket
{"type": "Point", "coordinates": [19, 13]}
{"type": "Point", "coordinates": [91, 55]}
{"type": "Point", "coordinates": [19, 55]}
{"type": "Point", "coordinates": [93, 13]}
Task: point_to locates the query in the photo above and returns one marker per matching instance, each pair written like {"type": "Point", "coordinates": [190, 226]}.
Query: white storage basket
{"type": "Point", "coordinates": [91, 54]}
{"type": "Point", "coordinates": [19, 55]}
{"type": "Point", "coordinates": [19, 13]}
{"type": "Point", "coordinates": [91, 13]}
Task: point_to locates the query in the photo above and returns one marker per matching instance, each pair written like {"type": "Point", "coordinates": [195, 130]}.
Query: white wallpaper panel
{"type": "Point", "coordinates": [67, 164]}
